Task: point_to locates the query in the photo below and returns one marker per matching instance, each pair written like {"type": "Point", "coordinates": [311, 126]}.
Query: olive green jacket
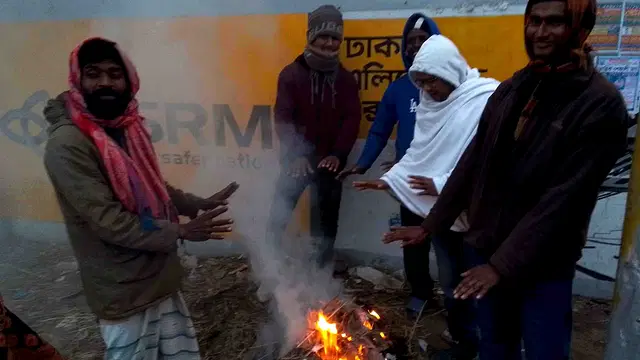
{"type": "Point", "coordinates": [124, 269]}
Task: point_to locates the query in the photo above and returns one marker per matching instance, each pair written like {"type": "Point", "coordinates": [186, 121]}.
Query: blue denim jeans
{"type": "Point", "coordinates": [536, 314]}
{"type": "Point", "coordinates": [461, 313]}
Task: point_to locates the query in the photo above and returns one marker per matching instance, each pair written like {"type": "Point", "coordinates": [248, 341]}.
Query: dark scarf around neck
{"type": "Point", "coordinates": [320, 62]}
{"type": "Point", "coordinates": [540, 72]}
{"type": "Point", "coordinates": [324, 71]}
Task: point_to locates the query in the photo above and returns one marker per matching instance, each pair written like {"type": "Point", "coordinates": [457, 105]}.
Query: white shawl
{"type": "Point", "coordinates": [443, 129]}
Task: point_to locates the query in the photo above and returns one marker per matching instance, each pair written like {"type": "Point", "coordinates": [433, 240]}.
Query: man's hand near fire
{"type": "Point", "coordinates": [387, 165]}
{"type": "Point", "coordinates": [218, 199]}
{"type": "Point", "coordinates": [354, 170]}
{"type": "Point", "coordinates": [299, 168]}
{"type": "Point", "coordinates": [205, 227]}
{"type": "Point", "coordinates": [477, 282]}
{"type": "Point", "coordinates": [408, 235]}
{"type": "Point", "coordinates": [331, 163]}
{"type": "Point", "coordinates": [424, 184]}
{"type": "Point", "coordinates": [370, 185]}
{"type": "Point", "coordinates": [357, 170]}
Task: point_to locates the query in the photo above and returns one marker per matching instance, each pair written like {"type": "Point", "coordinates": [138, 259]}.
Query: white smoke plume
{"type": "Point", "coordinates": [169, 72]}
{"type": "Point", "coordinates": [284, 270]}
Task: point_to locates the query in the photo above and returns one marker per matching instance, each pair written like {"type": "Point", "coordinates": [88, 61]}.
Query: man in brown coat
{"type": "Point", "coordinates": [529, 181]}
{"type": "Point", "coordinates": [121, 217]}
{"type": "Point", "coordinates": [317, 118]}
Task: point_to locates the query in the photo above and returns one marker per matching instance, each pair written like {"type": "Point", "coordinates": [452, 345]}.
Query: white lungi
{"type": "Point", "coordinates": [163, 331]}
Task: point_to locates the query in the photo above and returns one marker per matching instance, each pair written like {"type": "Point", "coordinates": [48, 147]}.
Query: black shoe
{"type": "Point", "coordinates": [446, 337]}
{"type": "Point", "coordinates": [417, 305]}
{"type": "Point", "coordinates": [340, 269]}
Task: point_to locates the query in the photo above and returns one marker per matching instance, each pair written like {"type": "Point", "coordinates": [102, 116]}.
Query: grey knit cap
{"type": "Point", "coordinates": [325, 20]}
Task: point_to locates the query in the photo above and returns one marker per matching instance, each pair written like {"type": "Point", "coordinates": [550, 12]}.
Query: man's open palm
{"type": "Point", "coordinates": [477, 282]}
{"type": "Point", "coordinates": [206, 226]}
{"type": "Point", "coordinates": [425, 185]}
{"type": "Point", "coordinates": [407, 235]}
{"type": "Point", "coordinates": [221, 197]}
{"type": "Point", "coordinates": [370, 185]}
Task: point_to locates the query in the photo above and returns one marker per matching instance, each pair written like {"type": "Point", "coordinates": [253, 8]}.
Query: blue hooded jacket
{"type": "Point", "coordinates": [398, 105]}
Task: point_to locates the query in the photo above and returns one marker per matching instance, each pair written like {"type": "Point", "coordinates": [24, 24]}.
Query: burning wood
{"type": "Point", "coordinates": [344, 331]}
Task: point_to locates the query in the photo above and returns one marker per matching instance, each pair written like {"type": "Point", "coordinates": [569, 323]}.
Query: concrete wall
{"type": "Point", "coordinates": [48, 10]}
{"type": "Point", "coordinates": [168, 41]}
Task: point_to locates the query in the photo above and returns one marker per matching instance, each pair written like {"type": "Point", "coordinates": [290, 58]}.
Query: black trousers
{"type": "Point", "coordinates": [416, 260]}
{"type": "Point", "coordinates": [326, 193]}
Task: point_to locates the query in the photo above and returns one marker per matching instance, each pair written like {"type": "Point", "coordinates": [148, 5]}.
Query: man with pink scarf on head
{"type": "Point", "coordinates": [121, 216]}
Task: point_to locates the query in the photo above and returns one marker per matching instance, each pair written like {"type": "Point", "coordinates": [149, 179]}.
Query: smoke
{"type": "Point", "coordinates": [185, 60]}
{"type": "Point", "coordinates": [283, 267]}
{"type": "Point", "coordinates": [293, 285]}
{"type": "Point", "coordinates": [284, 264]}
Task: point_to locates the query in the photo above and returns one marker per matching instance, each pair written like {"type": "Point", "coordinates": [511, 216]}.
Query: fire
{"type": "Point", "coordinates": [329, 334]}
{"type": "Point", "coordinates": [338, 344]}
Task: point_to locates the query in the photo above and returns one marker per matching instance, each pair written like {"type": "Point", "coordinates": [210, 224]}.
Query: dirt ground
{"type": "Point", "coordinates": [42, 286]}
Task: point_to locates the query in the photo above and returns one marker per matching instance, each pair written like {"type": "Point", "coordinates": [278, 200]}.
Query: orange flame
{"type": "Point", "coordinates": [329, 336]}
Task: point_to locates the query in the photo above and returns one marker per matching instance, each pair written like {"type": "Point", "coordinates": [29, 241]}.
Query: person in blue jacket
{"type": "Point", "coordinates": [398, 106]}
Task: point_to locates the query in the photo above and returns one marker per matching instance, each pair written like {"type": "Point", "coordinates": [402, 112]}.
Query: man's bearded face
{"type": "Point", "coordinates": [105, 89]}
{"type": "Point", "coordinates": [547, 31]}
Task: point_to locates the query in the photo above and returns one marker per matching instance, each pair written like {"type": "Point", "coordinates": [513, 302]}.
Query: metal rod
{"type": "Point", "coordinates": [624, 328]}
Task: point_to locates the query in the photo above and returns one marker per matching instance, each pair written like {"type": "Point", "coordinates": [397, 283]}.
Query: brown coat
{"type": "Point", "coordinates": [124, 269]}
{"type": "Point", "coordinates": [530, 201]}
{"type": "Point", "coordinates": [316, 125]}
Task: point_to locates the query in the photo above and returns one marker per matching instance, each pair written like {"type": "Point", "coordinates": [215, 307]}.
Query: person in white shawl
{"type": "Point", "coordinates": [452, 99]}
